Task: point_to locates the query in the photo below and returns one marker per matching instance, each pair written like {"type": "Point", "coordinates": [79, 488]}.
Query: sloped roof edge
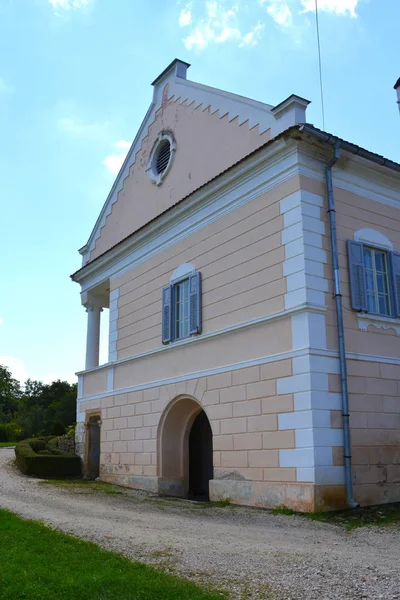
{"type": "Point", "coordinates": [292, 132]}
{"type": "Point", "coordinates": [117, 179]}
{"type": "Point", "coordinates": [259, 110]}
{"type": "Point", "coordinates": [332, 140]}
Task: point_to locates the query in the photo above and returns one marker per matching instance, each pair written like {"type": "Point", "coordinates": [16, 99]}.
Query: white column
{"type": "Point", "coordinates": [93, 336]}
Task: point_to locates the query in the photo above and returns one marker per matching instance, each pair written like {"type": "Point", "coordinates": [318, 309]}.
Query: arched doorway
{"type": "Point", "coordinates": [185, 456]}
{"type": "Point", "coordinates": [200, 458]}
{"type": "Point", "coordinates": [92, 469]}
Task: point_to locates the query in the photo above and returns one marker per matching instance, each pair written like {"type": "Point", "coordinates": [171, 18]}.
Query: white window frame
{"type": "Point", "coordinates": [377, 241]}
{"type": "Point", "coordinates": [389, 281]}
{"type": "Point", "coordinates": [181, 274]}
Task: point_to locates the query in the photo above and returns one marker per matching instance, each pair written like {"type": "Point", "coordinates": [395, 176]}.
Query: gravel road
{"type": "Point", "coordinates": [250, 552]}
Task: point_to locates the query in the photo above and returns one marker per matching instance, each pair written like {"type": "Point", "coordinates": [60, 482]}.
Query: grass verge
{"type": "Point", "coordinates": [382, 514]}
{"type": "Point", "coordinates": [85, 486]}
{"type": "Point", "coordinates": [37, 563]}
{"type": "Point", "coordinates": [8, 444]}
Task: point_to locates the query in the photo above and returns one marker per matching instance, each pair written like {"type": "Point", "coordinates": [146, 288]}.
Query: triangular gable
{"type": "Point", "coordinates": [214, 129]}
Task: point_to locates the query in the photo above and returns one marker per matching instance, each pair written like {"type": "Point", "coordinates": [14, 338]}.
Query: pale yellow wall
{"type": "Point", "coordinates": [95, 382]}
{"type": "Point", "coordinates": [240, 257]}
{"type": "Point", "coordinates": [242, 345]}
{"type": "Point", "coordinates": [242, 406]}
{"type": "Point", "coordinates": [206, 145]}
{"type": "Point", "coordinates": [374, 387]}
{"type": "Point", "coordinates": [374, 398]}
{"type": "Point", "coordinates": [354, 212]}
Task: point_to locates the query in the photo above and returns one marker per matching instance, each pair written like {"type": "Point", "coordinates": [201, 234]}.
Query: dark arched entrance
{"type": "Point", "coordinates": [200, 458]}
{"type": "Point", "coordinates": [92, 470]}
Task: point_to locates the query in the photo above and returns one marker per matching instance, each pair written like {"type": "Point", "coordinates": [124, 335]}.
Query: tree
{"type": "Point", "coordinates": [36, 408]}
{"type": "Point", "coordinates": [10, 392]}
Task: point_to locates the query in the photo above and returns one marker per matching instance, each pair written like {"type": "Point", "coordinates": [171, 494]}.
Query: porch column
{"type": "Point", "coordinates": [93, 335]}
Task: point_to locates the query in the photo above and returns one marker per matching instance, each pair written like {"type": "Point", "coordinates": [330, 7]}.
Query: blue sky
{"type": "Point", "coordinates": [75, 84]}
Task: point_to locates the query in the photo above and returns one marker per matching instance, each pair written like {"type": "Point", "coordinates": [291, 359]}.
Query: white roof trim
{"type": "Point", "coordinates": [235, 106]}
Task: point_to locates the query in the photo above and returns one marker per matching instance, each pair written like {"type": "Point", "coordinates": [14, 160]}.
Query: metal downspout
{"type": "Point", "coordinates": [339, 315]}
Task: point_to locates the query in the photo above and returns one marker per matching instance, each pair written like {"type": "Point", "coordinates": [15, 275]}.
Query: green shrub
{"type": "Point", "coordinates": [38, 445]}
{"type": "Point", "coordinates": [9, 432]}
{"type": "Point", "coordinates": [42, 458]}
{"type": "Point", "coordinates": [70, 431]}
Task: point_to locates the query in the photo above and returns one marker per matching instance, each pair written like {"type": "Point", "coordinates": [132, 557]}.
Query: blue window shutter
{"type": "Point", "coordinates": [166, 314]}
{"type": "Point", "coordinates": [396, 282]}
{"type": "Point", "coordinates": [195, 303]}
{"type": "Point", "coordinates": [356, 275]}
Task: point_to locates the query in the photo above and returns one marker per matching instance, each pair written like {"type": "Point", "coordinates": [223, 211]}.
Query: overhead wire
{"type": "Point", "coordinates": [320, 66]}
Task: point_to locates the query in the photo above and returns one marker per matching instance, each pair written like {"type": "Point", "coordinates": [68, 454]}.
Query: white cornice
{"type": "Point", "coordinates": [233, 105]}
{"type": "Point", "coordinates": [380, 358]}
{"type": "Point", "coordinates": [188, 376]}
{"type": "Point", "coordinates": [301, 308]}
{"type": "Point", "coordinates": [226, 368]}
{"type": "Point", "coordinates": [264, 170]}
{"type": "Point", "coordinates": [354, 174]}
{"type": "Point", "coordinates": [245, 109]}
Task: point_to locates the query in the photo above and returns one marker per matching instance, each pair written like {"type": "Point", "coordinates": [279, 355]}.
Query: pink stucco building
{"type": "Point", "coordinates": [250, 265]}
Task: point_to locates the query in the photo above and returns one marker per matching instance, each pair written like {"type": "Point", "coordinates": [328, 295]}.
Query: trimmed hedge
{"type": "Point", "coordinates": [42, 458]}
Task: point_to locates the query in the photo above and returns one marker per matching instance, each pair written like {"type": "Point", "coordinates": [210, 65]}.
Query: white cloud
{"type": "Point", "coordinates": [284, 11]}
{"type": "Point", "coordinates": [76, 127]}
{"type": "Point", "coordinates": [280, 12]}
{"type": "Point", "coordinates": [122, 145]}
{"type": "Point", "coordinates": [5, 88]}
{"type": "Point", "coordinates": [250, 38]}
{"type": "Point", "coordinates": [185, 16]}
{"type": "Point", "coordinates": [113, 162]}
{"type": "Point", "coordinates": [63, 6]}
{"type": "Point", "coordinates": [220, 24]}
{"type": "Point", "coordinates": [16, 367]}
{"type": "Point", "coordinates": [19, 372]}
{"type": "Point", "coordinates": [53, 377]}
{"type": "Point", "coordinates": [338, 7]}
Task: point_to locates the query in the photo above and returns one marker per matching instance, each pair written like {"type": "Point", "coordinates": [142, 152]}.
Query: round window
{"type": "Point", "coordinates": [161, 157]}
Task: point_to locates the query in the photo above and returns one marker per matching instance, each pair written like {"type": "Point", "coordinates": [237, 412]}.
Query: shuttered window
{"type": "Point", "coordinates": [181, 310]}
{"type": "Point", "coordinates": [374, 279]}
{"type": "Point", "coordinates": [376, 276]}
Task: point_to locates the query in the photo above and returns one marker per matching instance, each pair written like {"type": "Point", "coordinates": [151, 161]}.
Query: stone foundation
{"type": "Point", "coordinates": [303, 497]}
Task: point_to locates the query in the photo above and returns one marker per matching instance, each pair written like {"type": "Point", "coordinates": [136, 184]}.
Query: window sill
{"type": "Point", "coordinates": [365, 320]}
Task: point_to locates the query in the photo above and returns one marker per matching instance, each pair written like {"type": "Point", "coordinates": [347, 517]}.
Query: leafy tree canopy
{"type": "Point", "coordinates": [35, 408]}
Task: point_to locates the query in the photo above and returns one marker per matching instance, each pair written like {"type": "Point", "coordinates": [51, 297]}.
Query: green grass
{"type": "Point", "coordinates": [37, 563]}
{"type": "Point", "coordinates": [382, 514]}
{"type": "Point", "coordinates": [85, 486]}
{"type": "Point", "coordinates": [8, 444]}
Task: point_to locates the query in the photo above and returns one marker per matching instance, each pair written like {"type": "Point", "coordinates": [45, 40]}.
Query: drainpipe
{"type": "Point", "coordinates": [339, 315]}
